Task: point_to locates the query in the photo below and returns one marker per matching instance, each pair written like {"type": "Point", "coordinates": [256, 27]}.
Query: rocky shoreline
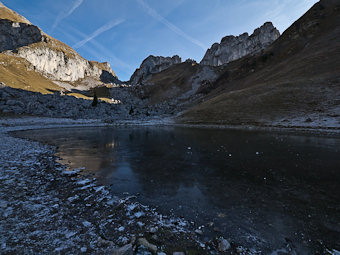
{"type": "Point", "coordinates": [46, 208]}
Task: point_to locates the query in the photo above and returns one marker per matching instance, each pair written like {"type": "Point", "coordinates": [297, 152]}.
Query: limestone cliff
{"type": "Point", "coordinates": [63, 65]}
{"type": "Point", "coordinates": [152, 65]}
{"type": "Point", "coordinates": [235, 47]}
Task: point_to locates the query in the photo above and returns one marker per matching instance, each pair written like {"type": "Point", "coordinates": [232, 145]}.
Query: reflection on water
{"type": "Point", "coordinates": [262, 190]}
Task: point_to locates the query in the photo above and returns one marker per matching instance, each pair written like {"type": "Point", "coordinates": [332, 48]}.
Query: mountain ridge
{"type": "Point", "coordinates": [50, 57]}
{"type": "Point", "coordinates": [235, 47]}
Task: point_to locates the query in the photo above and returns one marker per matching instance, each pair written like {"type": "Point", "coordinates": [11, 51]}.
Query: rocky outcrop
{"type": "Point", "coordinates": [14, 35]}
{"type": "Point", "coordinates": [235, 47]}
{"type": "Point", "coordinates": [152, 65]}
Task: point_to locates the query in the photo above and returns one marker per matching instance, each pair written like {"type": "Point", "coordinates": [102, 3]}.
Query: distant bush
{"type": "Point", "coordinates": [131, 110]}
{"type": "Point", "coordinates": [95, 100]}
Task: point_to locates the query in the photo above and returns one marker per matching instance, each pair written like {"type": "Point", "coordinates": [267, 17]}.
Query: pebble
{"type": "Point", "coordinates": [103, 242]}
{"type": "Point", "coordinates": [153, 230]}
{"type": "Point", "coordinates": [87, 224]}
{"type": "Point", "coordinates": [149, 246]}
{"type": "Point", "coordinates": [139, 214]}
{"type": "Point", "coordinates": [125, 250]}
{"type": "Point", "coordinates": [199, 232]}
{"type": "Point", "coordinates": [223, 245]}
{"type": "Point", "coordinates": [3, 204]}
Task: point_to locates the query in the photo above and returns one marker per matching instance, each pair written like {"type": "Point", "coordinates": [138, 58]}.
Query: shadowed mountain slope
{"type": "Point", "coordinates": [295, 80]}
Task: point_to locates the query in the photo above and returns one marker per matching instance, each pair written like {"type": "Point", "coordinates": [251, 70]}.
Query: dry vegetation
{"type": "Point", "coordinates": [6, 13]}
{"type": "Point", "coordinates": [56, 45]}
{"type": "Point", "coordinates": [17, 73]}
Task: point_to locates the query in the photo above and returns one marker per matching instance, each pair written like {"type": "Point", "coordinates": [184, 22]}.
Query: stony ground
{"type": "Point", "coordinates": [22, 102]}
{"type": "Point", "coordinates": [47, 209]}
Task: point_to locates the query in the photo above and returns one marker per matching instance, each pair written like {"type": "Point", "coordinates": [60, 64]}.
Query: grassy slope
{"type": "Point", "coordinates": [171, 82]}
{"type": "Point", "coordinates": [15, 72]}
{"type": "Point", "coordinates": [6, 13]}
{"type": "Point", "coordinates": [298, 75]}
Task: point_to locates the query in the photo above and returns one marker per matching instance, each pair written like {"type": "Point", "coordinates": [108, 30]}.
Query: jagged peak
{"type": "Point", "coordinates": [233, 47]}
{"type": "Point", "coordinates": [153, 64]}
{"type": "Point", "coordinates": [267, 26]}
{"type": "Point", "coordinates": [161, 58]}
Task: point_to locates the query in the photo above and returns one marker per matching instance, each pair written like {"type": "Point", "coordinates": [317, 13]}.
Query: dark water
{"type": "Point", "coordinates": [261, 190]}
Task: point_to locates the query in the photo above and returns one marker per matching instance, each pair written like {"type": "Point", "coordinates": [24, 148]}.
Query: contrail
{"type": "Point", "coordinates": [171, 26]}
{"type": "Point", "coordinates": [62, 15]}
{"type": "Point", "coordinates": [98, 48]}
{"type": "Point", "coordinates": [99, 31]}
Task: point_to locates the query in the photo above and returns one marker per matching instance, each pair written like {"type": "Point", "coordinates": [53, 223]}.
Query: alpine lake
{"type": "Point", "coordinates": [259, 189]}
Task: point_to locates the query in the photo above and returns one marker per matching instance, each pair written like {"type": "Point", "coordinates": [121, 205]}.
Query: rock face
{"type": "Point", "coordinates": [235, 47]}
{"type": "Point", "coordinates": [152, 65]}
{"type": "Point", "coordinates": [61, 65]}
{"type": "Point", "coordinates": [14, 34]}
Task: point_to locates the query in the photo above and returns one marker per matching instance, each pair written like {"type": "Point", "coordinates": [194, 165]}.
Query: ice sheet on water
{"type": "Point", "coordinates": [70, 234]}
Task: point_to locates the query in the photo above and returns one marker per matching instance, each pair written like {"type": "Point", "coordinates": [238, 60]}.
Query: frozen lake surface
{"type": "Point", "coordinates": [264, 190]}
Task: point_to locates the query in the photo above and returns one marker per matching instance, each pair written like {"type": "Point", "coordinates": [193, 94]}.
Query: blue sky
{"type": "Point", "coordinates": [124, 32]}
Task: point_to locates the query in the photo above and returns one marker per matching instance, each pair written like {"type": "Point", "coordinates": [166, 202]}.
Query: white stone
{"type": "Point", "coordinates": [223, 245]}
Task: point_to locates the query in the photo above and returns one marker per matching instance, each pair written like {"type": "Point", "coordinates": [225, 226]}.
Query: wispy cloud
{"type": "Point", "coordinates": [99, 31]}
{"type": "Point", "coordinates": [171, 26]}
{"type": "Point", "coordinates": [64, 14]}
